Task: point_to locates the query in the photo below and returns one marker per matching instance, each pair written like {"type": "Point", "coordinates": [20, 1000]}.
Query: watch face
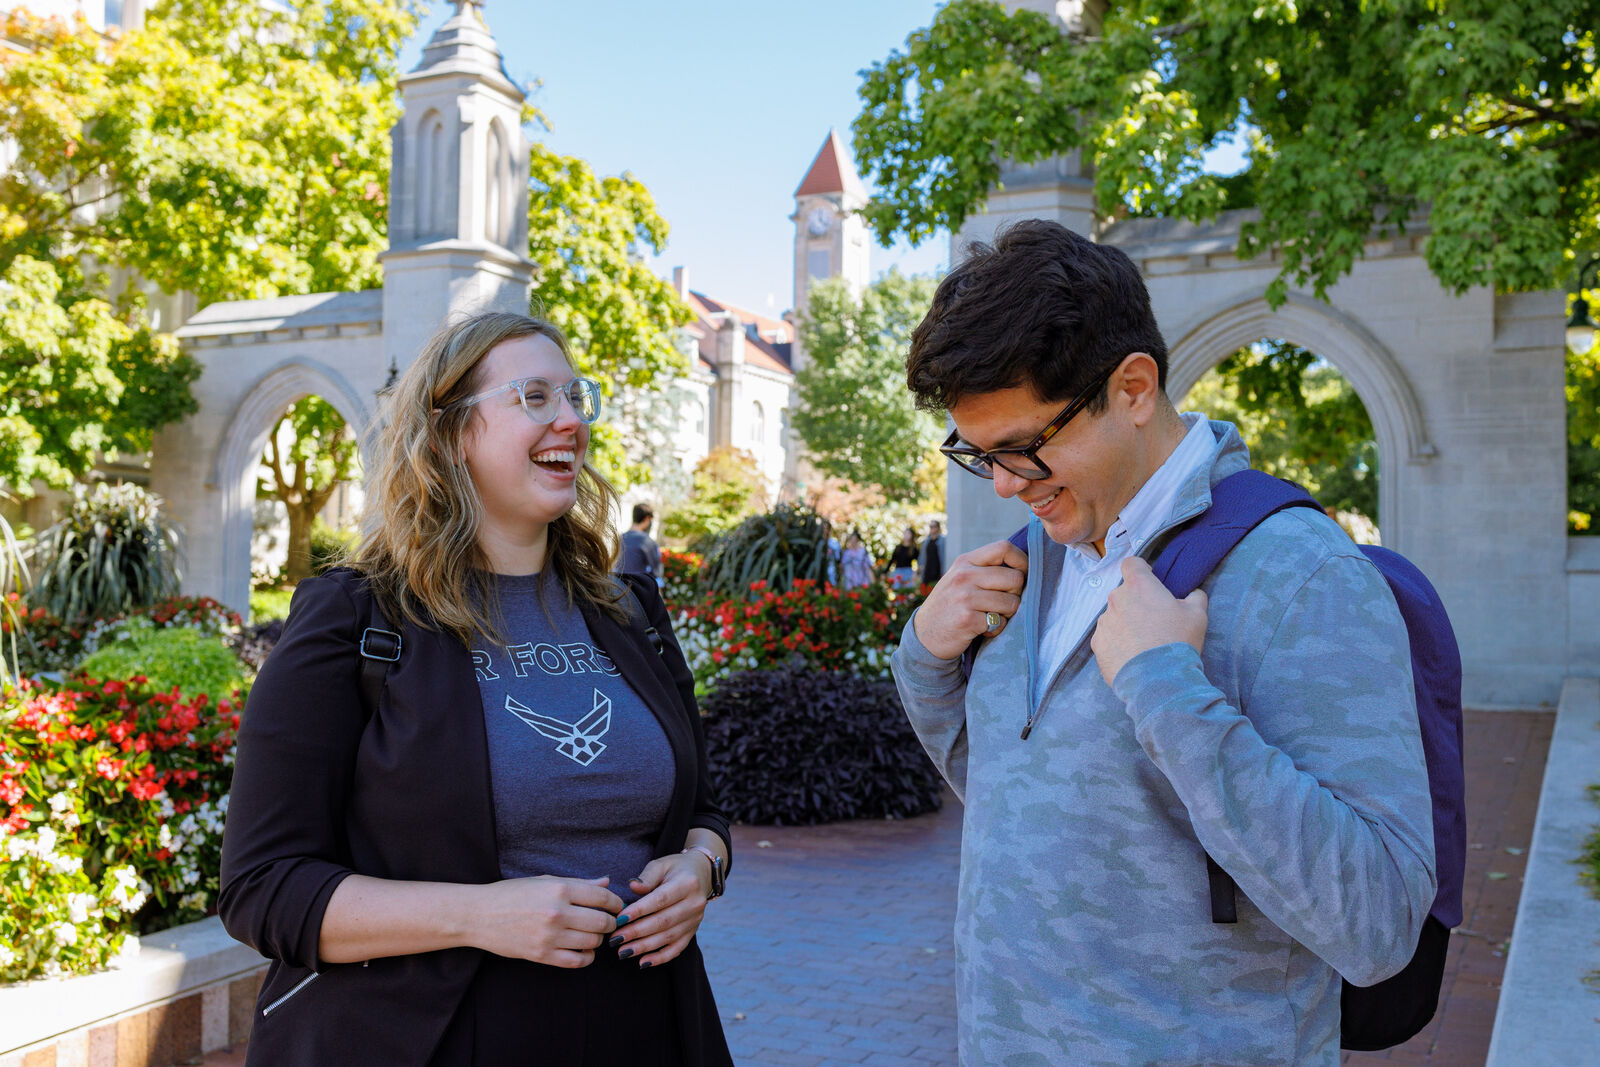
{"type": "Point", "coordinates": [817, 222]}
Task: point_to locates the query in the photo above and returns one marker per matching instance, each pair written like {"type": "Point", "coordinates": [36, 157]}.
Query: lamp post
{"type": "Point", "coordinates": [1581, 328]}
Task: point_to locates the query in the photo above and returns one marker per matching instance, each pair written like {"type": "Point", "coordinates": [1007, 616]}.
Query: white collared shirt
{"type": "Point", "coordinates": [1087, 578]}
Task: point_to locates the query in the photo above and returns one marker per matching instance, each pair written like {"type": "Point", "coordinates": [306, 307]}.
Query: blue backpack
{"type": "Point", "coordinates": [1396, 1009]}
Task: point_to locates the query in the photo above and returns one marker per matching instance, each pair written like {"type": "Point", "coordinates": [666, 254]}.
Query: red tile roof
{"type": "Point", "coordinates": [769, 349]}
{"type": "Point", "coordinates": [832, 171]}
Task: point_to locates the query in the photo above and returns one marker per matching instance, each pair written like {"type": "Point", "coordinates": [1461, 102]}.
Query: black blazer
{"type": "Point", "coordinates": [321, 792]}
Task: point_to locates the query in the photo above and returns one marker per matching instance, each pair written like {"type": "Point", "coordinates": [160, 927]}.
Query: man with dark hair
{"type": "Point", "coordinates": [640, 554]}
{"type": "Point", "coordinates": [1110, 736]}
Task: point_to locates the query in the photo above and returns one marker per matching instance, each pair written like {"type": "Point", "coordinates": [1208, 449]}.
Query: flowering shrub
{"type": "Point", "coordinates": [822, 627]}
{"type": "Point", "coordinates": [680, 575]}
{"type": "Point", "coordinates": [51, 644]}
{"type": "Point", "coordinates": [112, 797]}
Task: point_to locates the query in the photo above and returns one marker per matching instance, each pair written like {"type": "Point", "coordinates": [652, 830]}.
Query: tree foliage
{"type": "Point", "coordinates": [229, 148]}
{"type": "Point", "coordinates": [1475, 118]}
{"type": "Point", "coordinates": [310, 452]}
{"type": "Point", "coordinates": [588, 236]}
{"type": "Point", "coordinates": [728, 486]}
{"type": "Point", "coordinates": [855, 414]}
{"type": "Point", "coordinates": [1301, 419]}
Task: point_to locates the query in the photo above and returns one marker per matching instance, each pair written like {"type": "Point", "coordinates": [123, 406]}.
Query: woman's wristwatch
{"type": "Point", "coordinates": [717, 879]}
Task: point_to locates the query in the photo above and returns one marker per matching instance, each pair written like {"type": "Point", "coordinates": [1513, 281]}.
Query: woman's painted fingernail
{"type": "Point", "coordinates": [622, 920]}
{"type": "Point", "coordinates": [644, 965]}
{"type": "Point", "coordinates": [615, 941]}
{"type": "Point", "coordinates": [625, 953]}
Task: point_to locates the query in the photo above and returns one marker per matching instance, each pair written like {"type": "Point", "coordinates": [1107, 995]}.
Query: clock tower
{"type": "Point", "coordinates": [830, 235]}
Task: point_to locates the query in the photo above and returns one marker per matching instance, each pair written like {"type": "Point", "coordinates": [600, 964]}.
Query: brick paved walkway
{"type": "Point", "coordinates": [833, 943]}
{"type": "Point", "coordinates": [1505, 754]}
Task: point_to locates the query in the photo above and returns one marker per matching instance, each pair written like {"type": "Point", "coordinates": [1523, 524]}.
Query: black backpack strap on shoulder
{"type": "Point", "coordinates": [380, 647]}
{"type": "Point", "coordinates": [636, 611]}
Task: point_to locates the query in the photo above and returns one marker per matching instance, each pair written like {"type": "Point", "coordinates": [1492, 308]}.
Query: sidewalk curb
{"type": "Point", "coordinates": [1547, 1014]}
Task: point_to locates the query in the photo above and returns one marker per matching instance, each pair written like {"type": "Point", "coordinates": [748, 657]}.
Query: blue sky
{"type": "Point", "coordinates": [718, 106]}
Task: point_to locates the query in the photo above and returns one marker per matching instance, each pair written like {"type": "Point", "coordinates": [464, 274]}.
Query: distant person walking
{"type": "Point", "coordinates": [640, 554]}
{"type": "Point", "coordinates": [932, 555]}
{"type": "Point", "coordinates": [903, 561]}
{"type": "Point", "coordinates": [857, 563]}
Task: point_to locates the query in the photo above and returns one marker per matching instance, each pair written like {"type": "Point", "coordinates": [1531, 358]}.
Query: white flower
{"type": "Point", "coordinates": [66, 863]}
{"type": "Point", "coordinates": [60, 802]}
{"type": "Point", "coordinates": [45, 842]}
{"type": "Point", "coordinates": [64, 933]}
{"type": "Point", "coordinates": [127, 889]}
{"type": "Point", "coordinates": [18, 847]}
{"type": "Point", "coordinates": [79, 906]}
{"type": "Point", "coordinates": [164, 838]}
{"type": "Point", "coordinates": [7, 957]}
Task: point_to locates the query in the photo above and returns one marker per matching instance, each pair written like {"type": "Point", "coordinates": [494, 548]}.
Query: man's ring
{"type": "Point", "coordinates": [994, 619]}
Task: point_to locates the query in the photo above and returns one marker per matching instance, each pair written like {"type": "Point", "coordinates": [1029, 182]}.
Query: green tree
{"type": "Point", "coordinates": [309, 454]}
{"type": "Point", "coordinates": [1358, 118]}
{"type": "Point", "coordinates": [588, 235]}
{"type": "Point", "coordinates": [229, 148]}
{"type": "Point", "coordinates": [1302, 420]}
{"type": "Point", "coordinates": [855, 415]}
{"type": "Point", "coordinates": [728, 487]}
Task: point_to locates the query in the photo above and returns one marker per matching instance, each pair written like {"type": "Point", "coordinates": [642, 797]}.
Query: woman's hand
{"type": "Point", "coordinates": [557, 921]}
{"type": "Point", "coordinates": [672, 901]}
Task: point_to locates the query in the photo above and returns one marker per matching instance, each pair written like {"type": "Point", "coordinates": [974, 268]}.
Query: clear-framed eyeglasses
{"type": "Point", "coordinates": [542, 401]}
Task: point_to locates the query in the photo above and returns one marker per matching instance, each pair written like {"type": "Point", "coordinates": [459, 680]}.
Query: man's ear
{"type": "Point", "coordinates": [1136, 385]}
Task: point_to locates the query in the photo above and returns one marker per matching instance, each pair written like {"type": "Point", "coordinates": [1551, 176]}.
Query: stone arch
{"type": "Point", "coordinates": [1342, 340]}
{"type": "Point", "coordinates": [238, 453]}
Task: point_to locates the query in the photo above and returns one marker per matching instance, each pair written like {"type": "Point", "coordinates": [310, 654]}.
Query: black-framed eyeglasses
{"type": "Point", "coordinates": [542, 401]}
{"type": "Point", "coordinates": [1022, 461]}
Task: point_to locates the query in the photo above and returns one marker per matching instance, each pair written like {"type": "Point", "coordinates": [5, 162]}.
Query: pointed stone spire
{"type": "Point", "coordinates": [463, 45]}
{"type": "Point", "coordinates": [832, 172]}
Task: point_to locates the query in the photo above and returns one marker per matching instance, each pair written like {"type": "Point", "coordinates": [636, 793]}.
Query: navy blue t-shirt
{"type": "Point", "coordinates": [582, 773]}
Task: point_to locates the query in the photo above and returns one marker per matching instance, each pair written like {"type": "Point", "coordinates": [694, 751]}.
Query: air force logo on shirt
{"type": "Point", "coordinates": [578, 741]}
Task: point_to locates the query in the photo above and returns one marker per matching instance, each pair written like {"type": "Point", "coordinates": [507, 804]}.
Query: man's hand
{"type": "Point", "coordinates": [987, 579]}
{"type": "Point", "coordinates": [1142, 615]}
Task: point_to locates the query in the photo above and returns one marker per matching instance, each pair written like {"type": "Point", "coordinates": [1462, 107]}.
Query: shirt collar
{"type": "Point", "coordinates": [1155, 500]}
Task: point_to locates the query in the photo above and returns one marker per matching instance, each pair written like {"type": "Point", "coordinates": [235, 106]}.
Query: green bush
{"type": "Point", "coordinates": [111, 553]}
{"type": "Point", "coordinates": [779, 547]}
{"type": "Point", "coordinates": [267, 604]}
{"type": "Point", "coordinates": [177, 656]}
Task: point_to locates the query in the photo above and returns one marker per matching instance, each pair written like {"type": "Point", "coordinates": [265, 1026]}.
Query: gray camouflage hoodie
{"type": "Point", "coordinates": [1289, 751]}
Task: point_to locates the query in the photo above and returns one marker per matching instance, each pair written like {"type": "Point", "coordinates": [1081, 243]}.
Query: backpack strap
{"type": "Point", "coordinates": [1239, 503]}
{"type": "Point", "coordinates": [636, 610]}
{"type": "Point", "coordinates": [380, 647]}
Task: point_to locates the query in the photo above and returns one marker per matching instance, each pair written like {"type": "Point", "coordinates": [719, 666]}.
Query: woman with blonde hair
{"type": "Point", "coordinates": [470, 820]}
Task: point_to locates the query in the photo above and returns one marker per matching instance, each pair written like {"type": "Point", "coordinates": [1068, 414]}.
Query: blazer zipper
{"type": "Point", "coordinates": [276, 1004]}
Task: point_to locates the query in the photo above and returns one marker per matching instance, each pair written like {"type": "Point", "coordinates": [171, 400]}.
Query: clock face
{"type": "Point", "coordinates": [818, 221]}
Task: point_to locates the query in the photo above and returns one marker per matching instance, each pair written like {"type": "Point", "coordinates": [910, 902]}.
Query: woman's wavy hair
{"type": "Point", "coordinates": [419, 531]}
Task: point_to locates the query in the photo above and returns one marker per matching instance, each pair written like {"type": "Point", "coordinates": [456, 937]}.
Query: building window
{"type": "Point", "coordinates": [818, 263]}
{"type": "Point", "coordinates": [758, 424]}
{"type": "Point", "coordinates": [113, 13]}
{"type": "Point", "coordinates": [699, 418]}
